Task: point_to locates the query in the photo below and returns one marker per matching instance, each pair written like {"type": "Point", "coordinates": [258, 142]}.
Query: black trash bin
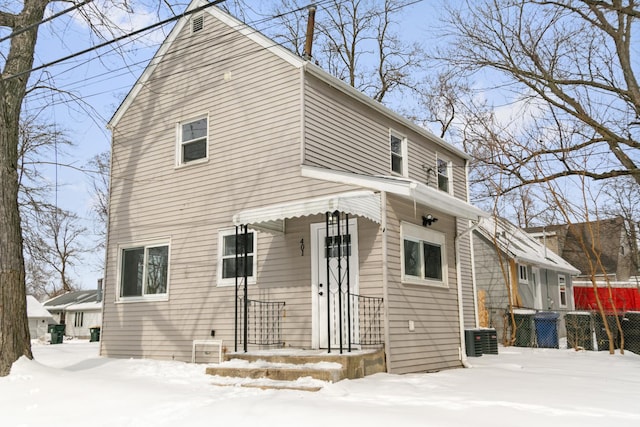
{"type": "Point", "coordinates": [524, 327]}
{"type": "Point", "coordinates": [57, 333]}
{"type": "Point", "coordinates": [547, 329]}
{"type": "Point", "coordinates": [95, 334]}
{"type": "Point", "coordinates": [579, 332]}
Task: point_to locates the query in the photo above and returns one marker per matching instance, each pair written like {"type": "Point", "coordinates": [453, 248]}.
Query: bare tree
{"type": "Point", "coordinates": [624, 201]}
{"type": "Point", "coordinates": [357, 41]}
{"type": "Point", "coordinates": [99, 169]}
{"type": "Point", "coordinates": [14, 330]}
{"type": "Point", "coordinates": [17, 52]}
{"type": "Point", "coordinates": [56, 245]}
{"type": "Point", "coordinates": [571, 61]}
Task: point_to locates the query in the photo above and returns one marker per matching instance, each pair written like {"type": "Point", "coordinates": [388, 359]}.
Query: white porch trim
{"type": "Point", "coordinates": [404, 187]}
{"type": "Point", "coordinates": [271, 218]}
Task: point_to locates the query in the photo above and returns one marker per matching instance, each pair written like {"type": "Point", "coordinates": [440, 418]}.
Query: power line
{"type": "Point", "coordinates": [117, 39]}
{"type": "Point", "coordinates": [37, 24]}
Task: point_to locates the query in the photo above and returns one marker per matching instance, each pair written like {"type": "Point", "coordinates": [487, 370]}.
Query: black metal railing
{"type": "Point", "coordinates": [264, 322]}
{"type": "Point", "coordinates": [369, 320]}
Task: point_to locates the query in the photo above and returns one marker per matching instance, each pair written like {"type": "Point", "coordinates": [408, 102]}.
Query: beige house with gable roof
{"type": "Point", "coordinates": [245, 177]}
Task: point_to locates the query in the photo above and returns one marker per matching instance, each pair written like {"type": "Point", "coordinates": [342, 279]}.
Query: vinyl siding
{"type": "Point", "coordinates": [254, 157]}
{"type": "Point", "coordinates": [435, 342]}
{"type": "Point", "coordinates": [491, 279]}
{"type": "Point", "coordinates": [345, 134]}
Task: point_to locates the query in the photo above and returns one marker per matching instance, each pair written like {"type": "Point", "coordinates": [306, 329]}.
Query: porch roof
{"type": "Point", "coordinates": [403, 187]}
{"type": "Point", "coordinates": [271, 218]}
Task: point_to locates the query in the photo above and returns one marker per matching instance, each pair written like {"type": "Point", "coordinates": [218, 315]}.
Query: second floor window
{"type": "Point", "coordinates": [192, 140]}
{"type": "Point", "coordinates": [398, 145]}
{"type": "Point", "coordinates": [444, 176]}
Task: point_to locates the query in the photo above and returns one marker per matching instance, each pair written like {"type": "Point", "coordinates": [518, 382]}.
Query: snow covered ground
{"type": "Point", "coordinates": [70, 385]}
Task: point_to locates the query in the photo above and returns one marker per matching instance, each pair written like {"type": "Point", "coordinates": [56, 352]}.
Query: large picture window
{"type": "Point", "coordinates": [144, 271]}
{"type": "Point", "coordinates": [227, 249]}
{"type": "Point", "coordinates": [423, 256]}
{"type": "Point", "coordinates": [192, 140]}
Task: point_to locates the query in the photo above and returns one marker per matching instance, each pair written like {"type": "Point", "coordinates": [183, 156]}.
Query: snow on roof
{"type": "Point", "coordinates": [85, 306]}
{"type": "Point", "coordinates": [75, 297]}
{"type": "Point", "coordinates": [521, 246]}
{"type": "Point", "coordinates": [35, 309]}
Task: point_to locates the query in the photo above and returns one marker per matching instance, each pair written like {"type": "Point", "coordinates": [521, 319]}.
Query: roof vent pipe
{"type": "Point", "coordinates": [311, 23]}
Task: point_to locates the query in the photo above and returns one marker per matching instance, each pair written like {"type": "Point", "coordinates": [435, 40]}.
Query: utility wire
{"type": "Point", "coordinates": [117, 39]}
{"type": "Point", "coordinates": [37, 24]}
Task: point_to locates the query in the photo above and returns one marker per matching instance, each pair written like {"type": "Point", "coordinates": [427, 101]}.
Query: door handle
{"type": "Point", "coordinates": [320, 293]}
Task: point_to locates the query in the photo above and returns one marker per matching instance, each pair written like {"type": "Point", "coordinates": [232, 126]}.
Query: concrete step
{"type": "Point", "coordinates": [291, 365]}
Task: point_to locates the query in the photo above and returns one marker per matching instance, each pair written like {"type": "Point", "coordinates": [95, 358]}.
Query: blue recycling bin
{"type": "Point", "coordinates": [546, 323]}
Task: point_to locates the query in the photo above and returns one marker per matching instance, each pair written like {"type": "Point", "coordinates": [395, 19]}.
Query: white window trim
{"type": "Point", "coordinates": [145, 244]}
{"type": "Point", "coordinates": [404, 153]}
{"type": "Point", "coordinates": [449, 173]}
{"type": "Point", "coordinates": [521, 268]}
{"type": "Point", "coordinates": [566, 293]}
{"type": "Point", "coordinates": [414, 232]}
{"type": "Point", "coordinates": [251, 280]}
{"type": "Point", "coordinates": [179, 142]}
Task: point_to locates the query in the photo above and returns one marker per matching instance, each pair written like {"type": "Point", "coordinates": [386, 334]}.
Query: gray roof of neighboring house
{"type": "Point", "coordinates": [521, 246]}
{"type": "Point", "coordinates": [75, 297]}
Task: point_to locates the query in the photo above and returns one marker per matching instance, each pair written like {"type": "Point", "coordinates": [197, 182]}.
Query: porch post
{"type": "Point", "coordinates": [235, 345]}
{"type": "Point", "coordinates": [347, 247]}
{"type": "Point", "coordinates": [336, 214]}
{"type": "Point", "coordinates": [246, 287]}
{"type": "Point", "coordinates": [328, 289]}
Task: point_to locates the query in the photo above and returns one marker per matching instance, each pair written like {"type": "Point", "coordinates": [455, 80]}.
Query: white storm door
{"type": "Point", "coordinates": [326, 320]}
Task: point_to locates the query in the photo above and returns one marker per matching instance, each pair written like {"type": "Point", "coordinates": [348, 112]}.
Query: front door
{"type": "Point", "coordinates": [330, 289]}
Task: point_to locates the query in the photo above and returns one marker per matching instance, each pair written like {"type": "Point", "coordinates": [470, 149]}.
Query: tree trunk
{"type": "Point", "coordinates": [14, 328]}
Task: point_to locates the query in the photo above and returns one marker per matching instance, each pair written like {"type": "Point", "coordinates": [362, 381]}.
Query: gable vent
{"type": "Point", "coordinates": [197, 24]}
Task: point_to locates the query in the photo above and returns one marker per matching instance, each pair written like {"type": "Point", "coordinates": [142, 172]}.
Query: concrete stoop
{"type": "Point", "coordinates": [288, 366]}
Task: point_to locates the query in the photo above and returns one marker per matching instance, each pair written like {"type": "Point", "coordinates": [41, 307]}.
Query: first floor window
{"type": "Point", "coordinates": [562, 286]}
{"type": "Point", "coordinates": [144, 271]}
{"type": "Point", "coordinates": [231, 265]}
{"type": "Point", "coordinates": [423, 255]}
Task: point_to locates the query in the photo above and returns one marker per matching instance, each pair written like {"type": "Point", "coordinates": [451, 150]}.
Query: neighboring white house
{"type": "Point", "coordinates": [79, 311]}
{"type": "Point", "coordinates": [39, 318]}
